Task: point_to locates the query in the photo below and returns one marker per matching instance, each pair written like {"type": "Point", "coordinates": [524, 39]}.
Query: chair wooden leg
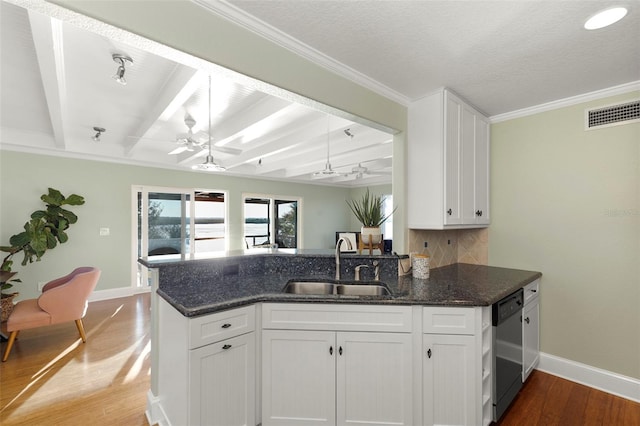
{"type": "Point", "coordinates": [81, 330]}
{"type": "Point", "coordinates": [12, 338]}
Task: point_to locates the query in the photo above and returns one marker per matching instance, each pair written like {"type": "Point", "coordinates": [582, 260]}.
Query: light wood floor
{"type": "Point", "coordinates": [51, 378]}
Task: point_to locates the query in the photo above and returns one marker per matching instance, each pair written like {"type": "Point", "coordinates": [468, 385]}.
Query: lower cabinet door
{"type": "Point", "coordinates": [222, 386]}
{"type": "Point", "coordinates": [298, 377]}
{"type": "Point", "coordinates": [449, 380]}
{"type": "Point", "coordinates": [374, 379]}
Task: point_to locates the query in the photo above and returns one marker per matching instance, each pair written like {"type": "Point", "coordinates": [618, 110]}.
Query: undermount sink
{"type": "Point", "coordinates": [362, 290]}
{"type": "Point", "coordinates": [327, 288]}
{"type": "Point", "coordinates": [309, 287]}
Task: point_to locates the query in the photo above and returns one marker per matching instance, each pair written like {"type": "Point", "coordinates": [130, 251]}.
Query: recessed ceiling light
{"type": "Point", "coordinates": [605, 18]}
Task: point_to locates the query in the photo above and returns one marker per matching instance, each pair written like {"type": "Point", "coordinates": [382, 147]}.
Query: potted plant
{"type": "Point", "coordinates": [369, 210]}
{"type": "Point", "coordinates": [42, 232]}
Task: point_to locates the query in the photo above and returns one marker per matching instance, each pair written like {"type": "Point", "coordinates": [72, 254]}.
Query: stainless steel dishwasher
{"type": "Point", "coordinates": [507, 350]}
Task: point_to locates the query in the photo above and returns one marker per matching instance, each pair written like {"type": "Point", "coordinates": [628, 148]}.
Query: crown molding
{"type": "Point", "coordinates": [562, 103]}
{"type": "Point", "coordinates": [241, 18]}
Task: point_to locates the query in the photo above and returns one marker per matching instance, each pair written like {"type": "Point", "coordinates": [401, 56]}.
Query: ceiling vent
{"type": "Point", "coordinates": [613, 115]}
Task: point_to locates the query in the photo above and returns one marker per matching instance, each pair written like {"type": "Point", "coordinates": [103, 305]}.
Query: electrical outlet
{"type": "Point", "coordinates": [426, 244]}
{"type": "Point", "coordinates": [40, 285]}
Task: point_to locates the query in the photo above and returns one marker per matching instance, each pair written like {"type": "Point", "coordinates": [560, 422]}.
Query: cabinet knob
{"type": "Point", "coordinates": [429, 353]}
{"type": "Point", "coordinates": [226, 325]}
{"type": "Point", "coordinates": [526, 320]}
{"type": "Point", "coordinates": [340, 350]}
{"type": "Point", "coordinates": [478, 212]}
{"type": "Point", "coordinates": [330, 350]}
{"type": "Point", "coordinates": [225, 347]}
{"type": "Point", "coordinates": [449, 212]}
{"type": "Point", "coordinates": [533, 290]}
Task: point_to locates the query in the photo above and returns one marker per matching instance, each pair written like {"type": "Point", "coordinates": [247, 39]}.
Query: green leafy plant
{"type": "Point", "coordinates": [369, 210]}
{"type": "Point", "coordinates": [42, 232]}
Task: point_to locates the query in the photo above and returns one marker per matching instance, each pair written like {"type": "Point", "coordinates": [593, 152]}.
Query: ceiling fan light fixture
{"type": "Point", "coordinates": [121, 60]}
{"type": "Point", "coordinates": [209, 165]}
{"type": "Point", "coordinates": [605, 17]}
{"type": "Point", "coordinates": [328, 171]}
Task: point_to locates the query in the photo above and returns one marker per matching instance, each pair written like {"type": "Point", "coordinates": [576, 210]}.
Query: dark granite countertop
{"type": "Point", "coordinates": [454, 285]}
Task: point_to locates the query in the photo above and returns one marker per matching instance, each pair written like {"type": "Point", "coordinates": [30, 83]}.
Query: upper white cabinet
{"type": "Point", "coordinates": [448, 164]}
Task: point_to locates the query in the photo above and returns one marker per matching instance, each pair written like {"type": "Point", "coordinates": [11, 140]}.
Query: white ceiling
{"type": "Point", "coordinates": [56, 84]}
{"type": "Point", "coordinates": [501, 56]}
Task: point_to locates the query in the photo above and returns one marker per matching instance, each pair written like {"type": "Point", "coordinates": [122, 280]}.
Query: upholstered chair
{"type": "Point", "coordinates": [63, 299]}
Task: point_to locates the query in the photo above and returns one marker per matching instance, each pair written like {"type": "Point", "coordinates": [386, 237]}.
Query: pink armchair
{"type": "Point", "coordinates": [63, 299]}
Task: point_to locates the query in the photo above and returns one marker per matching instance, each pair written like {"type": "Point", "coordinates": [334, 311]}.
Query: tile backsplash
{"type": "Point", "coordinates": [452, 246]}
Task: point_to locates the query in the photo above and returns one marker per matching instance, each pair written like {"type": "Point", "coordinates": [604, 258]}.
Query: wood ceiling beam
{"type": "Point", "coordinates": [182, 84]}
{"type": "Point", "coordinates": [233, 127]}
{"type": "Point", "coordinates": [312, 153]}
{"type": "Point", "coordinates": [49, 46]}
{"type": "Point", "coordinates": [346, 159]}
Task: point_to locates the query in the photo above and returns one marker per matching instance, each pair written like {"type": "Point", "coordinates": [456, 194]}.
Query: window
{"type": "Point", "coordinates": [177, 221]}
{"type": "Point", "coordinates": [271, 220]}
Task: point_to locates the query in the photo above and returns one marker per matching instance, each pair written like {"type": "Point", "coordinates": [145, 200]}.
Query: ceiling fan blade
{"type": "Point", "coordinates": [227, 150]}
{"type": "Point", "coordinates": [179, 150]}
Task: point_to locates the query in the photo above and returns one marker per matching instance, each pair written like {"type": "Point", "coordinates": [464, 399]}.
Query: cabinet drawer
{"type": "Point", "coordinates": [445, 320]}
{"type": "Point", "coordinates": [309, 316]}
{"type": "Point", "coordinates": [215, 327]}
{"type": "Point", "coordinates": [531, 291]}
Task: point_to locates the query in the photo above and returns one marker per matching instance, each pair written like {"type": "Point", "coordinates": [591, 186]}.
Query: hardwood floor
{"type": "Point", "coordinates": [51, 378]}
{"type": "Point", "coordinates": [547, 400]}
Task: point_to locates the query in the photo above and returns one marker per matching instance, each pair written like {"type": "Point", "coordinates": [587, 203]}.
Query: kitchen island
{"type": "Point", "coordinates": [232, 348]}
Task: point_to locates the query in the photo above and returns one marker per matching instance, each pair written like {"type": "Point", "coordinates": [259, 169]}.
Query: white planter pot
{"type": "Point", "coordinates": [371, 233]}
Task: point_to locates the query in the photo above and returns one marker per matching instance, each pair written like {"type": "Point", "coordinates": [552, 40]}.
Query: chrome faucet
{"type": "Point", "coordinates": [376, 266]}
{"type": "Point", "coordinates": [349, 247]}
{"type": "Point", "coordinates": [357, 271]}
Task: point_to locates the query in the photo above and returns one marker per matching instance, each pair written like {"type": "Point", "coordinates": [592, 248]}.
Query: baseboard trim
{"type": "Point", "coordinates": [606, 381]}
{"type": "Point", "coordinates": [116, 293]}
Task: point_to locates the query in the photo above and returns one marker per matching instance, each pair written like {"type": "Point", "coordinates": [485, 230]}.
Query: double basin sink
{"type": "Point", "coordinates": [331, 288]}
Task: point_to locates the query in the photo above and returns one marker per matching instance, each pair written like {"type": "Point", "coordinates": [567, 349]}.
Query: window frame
{"type": "Point", "coordinates": [273, 198]}
{"type": "Point", "coordinates": [144, 225]}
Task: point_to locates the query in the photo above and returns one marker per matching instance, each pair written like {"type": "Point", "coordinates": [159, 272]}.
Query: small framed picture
{"type": "Point", "coordinates": [352, 237]}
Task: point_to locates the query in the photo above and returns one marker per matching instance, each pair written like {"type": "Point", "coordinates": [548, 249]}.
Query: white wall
{"type": "Point", "coordinates": [107, 191]}
{"type": "Point", "coordinates": [566, 202]}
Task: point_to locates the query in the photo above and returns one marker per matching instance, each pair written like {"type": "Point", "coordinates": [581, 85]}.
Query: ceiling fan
{"type": "Point", "coordinates": [187, 141]}
{"type": "Point", "coordinates": [190, 141]}
{"type": "Point", "coordinates": [359, 171]}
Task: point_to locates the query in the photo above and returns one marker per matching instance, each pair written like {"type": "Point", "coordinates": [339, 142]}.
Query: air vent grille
{"type": "Point", "coordinates": [613, 115]}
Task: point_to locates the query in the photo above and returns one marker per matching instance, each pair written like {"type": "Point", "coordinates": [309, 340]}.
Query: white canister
{"type": "Point", "coordinates": [421, 266]}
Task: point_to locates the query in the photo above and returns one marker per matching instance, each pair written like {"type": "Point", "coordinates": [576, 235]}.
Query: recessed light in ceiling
{"type": "Point", "coordinates": [605, 18]}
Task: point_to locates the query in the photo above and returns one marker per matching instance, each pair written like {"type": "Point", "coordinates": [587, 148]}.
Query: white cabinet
{"type": "Point", "coordinates": [222, 382]}
{"type": "Point", "coordinates": [448, 164]}
{"type": "Point", "coordinates": [330, 377]}
{"type": "Point", "coordinates": [449, 380]}
{"type": "Point", "coordinates": [456, 366]}
{"type": "Point", "coordinates": [207, 367]}
{"type": "Point", "coordinates": [298, 377]}
{"type": "Point", "coordinates": [530, 329]}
